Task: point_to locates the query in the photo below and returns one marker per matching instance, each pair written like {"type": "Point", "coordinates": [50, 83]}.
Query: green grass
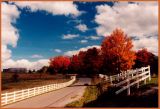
{"type": "Point", "coordinates": [90, 94]}
{"type": "Point", "coordinates": [154, 80]}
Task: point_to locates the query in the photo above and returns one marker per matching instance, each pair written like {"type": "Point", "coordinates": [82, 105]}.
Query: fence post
{"type": "Point", "coordinates": [14, 96]}
{"type": "Point", "coordinates": [149, 73]}
{"type": "Point", "coordinates": [132, 72]}
{"type": "Point", "coordinates": [22, 94]}
{"type": "Point", "coordinates": [128, 83]}
{"type": "Point", "coordinates": [28, 92]}
{"type": "Point", "coordinates": [118, 77]}
{"type": "Point", "coordinates": [137, 78]}
{"type": "Point", "coordinates": [145, 81]}
{"type": "Point", "coordinates": [6, 100]}
{"type": "Point", "coordinates": [110, 79]}
{"type": "Point", "coordinates": [34, 92]}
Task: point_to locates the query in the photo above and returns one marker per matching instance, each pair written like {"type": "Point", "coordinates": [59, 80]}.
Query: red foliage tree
{"type": "Point", "coordinates": [86, 62]}
{"type": "Point", "coordinates": [117, 52]}
{"type": "Point", "coordinates": [75, 64]}
{"type": "Point", "coordinates": [92, 60]}
{"type": "Point", "coordinates": [60, 63]}
{"type": "Point", "coordinates": [144, 58]}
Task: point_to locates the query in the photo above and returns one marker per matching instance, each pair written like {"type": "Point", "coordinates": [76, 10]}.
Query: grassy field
{"type": "Point", "coordinates": [29, 81]}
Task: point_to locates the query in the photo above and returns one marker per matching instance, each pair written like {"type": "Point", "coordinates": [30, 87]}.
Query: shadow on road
{"type": "Point", "coordinates": [81, 85]}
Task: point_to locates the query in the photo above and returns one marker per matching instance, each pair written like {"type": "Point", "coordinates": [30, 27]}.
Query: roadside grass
{"type": "Point", "coordinates": [24, 84]}
{"type": "Point", "coordinates": [136, 99]}
{"type": "Point", "coordinates": [154, 80]}
{"type": "Point", "coordinates": [91, 93]}
{"type": "Point", "coordinates": [101, 95]}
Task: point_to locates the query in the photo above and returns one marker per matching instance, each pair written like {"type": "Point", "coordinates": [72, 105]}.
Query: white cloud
{"type": "Point", "coordinates": [23, 63]}
{"type": "Point", "coordinates": [94, 37]}
{"type": "Point", "coordinates": [58, 50]}
{"type": "Point", "coordinates": [138, 19]}
{"type": "Point", "coordinates": [36, 56]}
{"type": "Point", "coordinates": [135, 19]}
{"type": "Point", "coordinates": [150, 43]}
{"type": "Point", "coordinates": [6, 53]}
{"type": "Point", "coordinates": [74, 21]}
{"type": "Point", "coordinates": [82, 27]}
{"type": "Point", "coordinates": [55, 8]}
{"type": "Point", "coordinates": [83, 41]}
{"type": "Point", "coordinates": [73, 52]}
{"type": "Point", "coordinates": [9, 33]}
{"type": "Point", "coordinates": [70, 36]}
{"type": "Point", "coordinates": [10, 36]}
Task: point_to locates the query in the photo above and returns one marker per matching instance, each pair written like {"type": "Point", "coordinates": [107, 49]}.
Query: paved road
{"type": "Point", "coordinates": [58, 98]}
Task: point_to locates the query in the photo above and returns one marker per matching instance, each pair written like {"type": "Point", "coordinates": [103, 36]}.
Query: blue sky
{"type": "Point", "coordinates": [32, 32]}
{"type": "Point", "coordinates": [41, 32]}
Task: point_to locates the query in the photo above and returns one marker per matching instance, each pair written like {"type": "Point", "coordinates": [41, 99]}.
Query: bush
{"type": "Point", "coordinates": [15, 77]}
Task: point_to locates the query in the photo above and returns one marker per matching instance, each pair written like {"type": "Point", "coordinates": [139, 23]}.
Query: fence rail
{"type": "Point", "coordinates": [7, 98]}
{"type": "Point", "coordinates": [128, 78]}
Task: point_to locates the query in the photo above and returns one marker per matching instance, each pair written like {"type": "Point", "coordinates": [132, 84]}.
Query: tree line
{"type": "Point", "coordinates": [115, 54]}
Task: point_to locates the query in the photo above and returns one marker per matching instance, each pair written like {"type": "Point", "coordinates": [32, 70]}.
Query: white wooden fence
{"type": "Point", "coordinates": [8, 98]}
{"type": "Point", "coordinates": [129, 78]}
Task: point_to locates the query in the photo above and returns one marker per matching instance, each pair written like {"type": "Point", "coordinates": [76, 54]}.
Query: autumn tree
{"type": "Point", "coordinates": [60, 64]}
{"type": "Point", "coordinates": [92, 61]}
{"type": "Point", "coordinates": [42, 71]}
{"type": "Point", "coordinates": [117, 52]}
{"type": "Point", "coordinates": [81, 57]}
{"type": "Point", "coordinates": [145, 58]}
{"type": "Point", "coordinates": [86, 62]}
{"type": "Point", "coordinates": [75, 65]}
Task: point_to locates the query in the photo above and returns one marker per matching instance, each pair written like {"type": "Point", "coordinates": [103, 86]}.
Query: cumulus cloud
{"type": "Point", "coordinates": [9, 33]}
{"type": "Point", "coordinates": [139, 19]}
{"type": "Point", "coordinates": [128, 17]}
{"type": "Point", "coordinates": [150, 43]}
{"type": "Point", "coordinates": [82, 27]}
{"type": "Point", "coordinates": [10, 36]}
{"type": "Point", "coordinates": [55, 8]}
{"type": "Point", "coordinates": [24, 63]}
{"type": "Point", "coordinates": [73, 52]}
{"type": "Point", "coordinates": [58, 50]}
{"type": "Point", "coordinates": [36, 56]}
{"type": "Point", "coordinates": [70, 36]}
{"type": "Point", "coordinates": [6, 53]}
{"type": "Point", "coordinates": [83, 41]}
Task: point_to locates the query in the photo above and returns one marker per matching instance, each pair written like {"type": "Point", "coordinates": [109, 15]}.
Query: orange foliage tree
{"type": "Point", "coordinates": [117, 52]}
{"type": "Point", "coordinates": [60, 64]}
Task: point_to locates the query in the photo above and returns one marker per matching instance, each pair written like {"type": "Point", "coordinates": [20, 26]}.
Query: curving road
{"type": "Point", "coordinates": [57, 98]}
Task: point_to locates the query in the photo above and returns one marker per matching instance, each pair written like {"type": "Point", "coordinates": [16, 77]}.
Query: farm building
{"type": "Point", "coordinates": [15, 70]}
